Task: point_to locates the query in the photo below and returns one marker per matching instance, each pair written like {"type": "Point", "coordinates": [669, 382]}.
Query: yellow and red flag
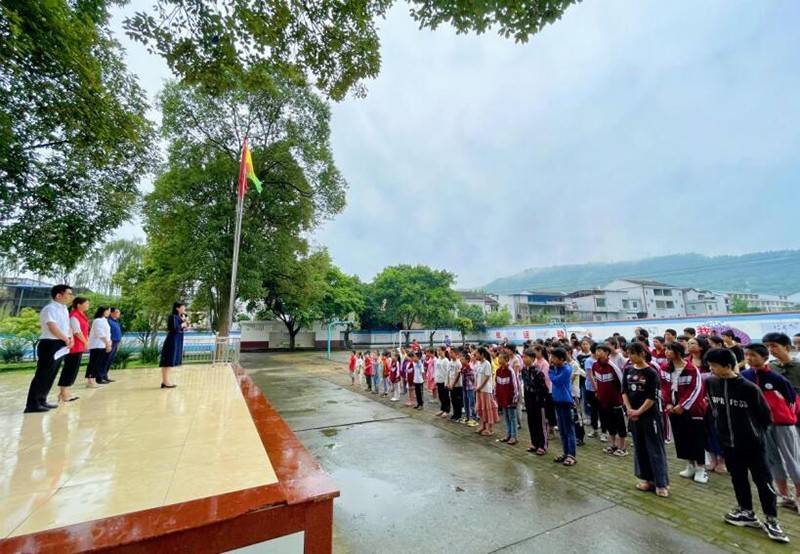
{"type": "Point", "coordinates": [246, 171]}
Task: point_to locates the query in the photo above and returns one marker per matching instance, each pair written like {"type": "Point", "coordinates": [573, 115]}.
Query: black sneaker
{"type": "Point", "coordinates": [774, 530]}
{"type": "Point", "coordinates": [742, 518]}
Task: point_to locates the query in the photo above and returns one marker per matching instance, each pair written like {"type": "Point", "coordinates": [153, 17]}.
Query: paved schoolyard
{"type": "Point", "coordinates": [412, 482]}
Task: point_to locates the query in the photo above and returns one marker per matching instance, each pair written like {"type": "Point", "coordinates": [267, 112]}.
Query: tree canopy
{"type": "Point", "coordinates": [334, 42]}
{"type": "Point", "coordinates": [189, 216]}
{"type": "Point", "coordinates": [401, 296]}
{"type": "Point", "coordinates": [74, 139]}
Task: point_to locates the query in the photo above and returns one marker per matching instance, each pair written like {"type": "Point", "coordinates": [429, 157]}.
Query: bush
{"type": "Point", "coordinates": [149, 355]}
{"type": "Point", "coordinates": [12, 350]}
{"type": "Point", "coordinates": [122, 358]}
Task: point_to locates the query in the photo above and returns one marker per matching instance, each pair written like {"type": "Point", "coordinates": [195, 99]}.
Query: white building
{"type": "Point", "coordinates": [538, 305]}
{"type": "Point", "coordinates": [764, 302]}
{"type": "Point", "coordinates": [486, 302]}
{"type": "Point", "coordinates": [705, 302]}
{"type": "Point", "coordinates": [598, 305]}
{"type": "Point", "coordinates": [648, 298]}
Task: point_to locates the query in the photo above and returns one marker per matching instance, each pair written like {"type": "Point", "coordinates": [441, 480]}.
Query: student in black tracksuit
{"type": "Point", "coordinates": [741, 417]}
{"type": "Point", "coordinates": [536, 398]}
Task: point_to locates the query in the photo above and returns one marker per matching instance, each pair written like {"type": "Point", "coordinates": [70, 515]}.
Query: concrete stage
{"type": "Point", "coordinates": [208, 466]}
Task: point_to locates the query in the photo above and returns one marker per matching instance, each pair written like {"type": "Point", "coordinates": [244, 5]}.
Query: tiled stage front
{"type": "Point", "coordinates": [133, 465]}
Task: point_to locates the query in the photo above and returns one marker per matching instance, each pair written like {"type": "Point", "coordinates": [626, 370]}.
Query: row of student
{"type": "Point", "coordinates": [670, 385]}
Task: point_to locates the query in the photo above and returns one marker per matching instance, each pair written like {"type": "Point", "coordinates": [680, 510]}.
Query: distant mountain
{"type": "Point", "coordinates": [766, 272]}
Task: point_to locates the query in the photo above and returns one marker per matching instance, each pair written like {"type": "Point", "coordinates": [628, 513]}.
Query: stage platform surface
{"type": "Point", "coordinates": [131, 462]}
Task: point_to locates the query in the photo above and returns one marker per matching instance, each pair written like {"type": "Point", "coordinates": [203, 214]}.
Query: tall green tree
{"type": "Point", "coordinates": [74, 139]}
{"type": "Point", "coordinates": [499, 318]}
{"type": "Point", "coordinates": [190, 215]}
{"type": "Point", "coordinates": [97, 269]}
{"type": "Point", "coordinates": [343, 300]}
{"type": "Point", "coordinates": [333, 41]}
{"type": "Point", "coordinates": [295, 292]}
{"type": "Point", "coordinates": [403, 296]}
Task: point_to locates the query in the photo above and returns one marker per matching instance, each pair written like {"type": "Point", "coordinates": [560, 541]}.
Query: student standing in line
{"type": "Point", "coordinates": [728, 339]}
{"type": "Point", "coordinates": [419, 379]}
{"type": "Point", "coordinates": [99, 347]}
{"type": "Point", "coordinates": [684, 399]}
{"type": "Point", "coordinates": [590, 406]}
{"type": "Point", "coordinates": [607, 380]}
{"type": "Point", "coordinates": [640, 390]}
{"type": "Point", "coordinates": [369, 369]}
{"type": "Point", "coordinates": [394, 376]}
{"type": "Point", "coordinates": [536, 394]}
{"type": "Point", "coordinates": [578, 377]}
{"type": "Point", "coordinates": [360, 369]}
{"type": "Point", "coordinates": [440, 368]}
{"type": "Point", "coordinates": [782, 441]}
{"type": "Point", "coordinates": [507, 394]}
{"type": "Point", "coordinates": [352, 365]}
{"type": "Point", "coordinates": [561, 379]}
{"type": "Point", "coordinates": [408, 363]}
{"type": "Point", "coordinates": [486, 407]}
{"type": "Point", "coordinates": [79, 324]}
{"type": "Point", "coordinates": [55, 334]}
{"type": "Point", "coordinates": [780, 346]}
{"type": "Point", "coordinates": [454, 385]}
{"type": "Point", "coordinates": [741, 416]}
{"type": "Point", "coordinates": [469, 383]}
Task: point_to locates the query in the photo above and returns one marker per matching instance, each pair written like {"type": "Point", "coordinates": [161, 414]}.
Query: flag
{"type": "Point", "coordinates": [246, 171]}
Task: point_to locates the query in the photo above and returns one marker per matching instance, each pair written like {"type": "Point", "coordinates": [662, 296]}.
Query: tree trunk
{"type": "Point", "coordinates": [292, 335]}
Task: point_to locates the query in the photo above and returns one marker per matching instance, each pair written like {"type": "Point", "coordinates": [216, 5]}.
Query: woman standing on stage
{"type": "Point", "coordinates": [99, 346]}
{"type": "Point", "coordinates": [172, 349]}
{"type": "Point", "coordinates": [79, 324]}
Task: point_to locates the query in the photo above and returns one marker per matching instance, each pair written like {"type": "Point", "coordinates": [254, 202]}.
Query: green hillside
{"type": "Point", "coordinates": [766, 272]}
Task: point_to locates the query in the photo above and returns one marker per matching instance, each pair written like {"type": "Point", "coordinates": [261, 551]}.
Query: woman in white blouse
{"type": "Point", "coordinates": [99, 345]}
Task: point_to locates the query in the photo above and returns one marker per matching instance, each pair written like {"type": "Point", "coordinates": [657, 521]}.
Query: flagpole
{"type": "Point", "coordinates": [234, 268]}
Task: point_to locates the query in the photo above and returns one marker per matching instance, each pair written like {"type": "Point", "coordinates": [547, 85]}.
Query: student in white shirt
{"type": "Point", "coordinates": [56, 334]}
{"type": "Point", "coordinates": [99, 346]}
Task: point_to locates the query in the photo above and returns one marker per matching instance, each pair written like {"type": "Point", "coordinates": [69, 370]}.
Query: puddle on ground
{"type": "Point", "coordinates": [330, 432]}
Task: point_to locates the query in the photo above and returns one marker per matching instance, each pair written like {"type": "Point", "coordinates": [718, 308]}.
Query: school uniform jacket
{"type": "Point", "coordinates": [609, 384]}
{"type": "Point", "coordinates": [741, 414]}
{"type": "Point", "coordinates": [778, 392]}
{"type": "Point", "coordinates": [690, 395]}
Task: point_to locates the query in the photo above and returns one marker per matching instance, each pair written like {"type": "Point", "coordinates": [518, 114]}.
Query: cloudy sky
{"type": "Point", "coordinates": [625, 130]}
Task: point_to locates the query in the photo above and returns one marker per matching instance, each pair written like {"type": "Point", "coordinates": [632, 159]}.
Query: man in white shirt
{"type": "Point", "coordinates": [56, 333]}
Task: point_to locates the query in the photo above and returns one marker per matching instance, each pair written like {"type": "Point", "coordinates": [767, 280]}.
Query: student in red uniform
{"type": "Point", "coordinates": [394, 375]}
{"type": "Point", "coordinates": [408, 363]}
{"type": "Point", "coordinates": [607, 379]}
{"type": "Point", "coordinates": [684, 399]}
{"type": "Point", "coordinates": [369, 369]}
{"type": "Point", "coordinates": [507, 395]}
{"type": "Point", "coordinates": [783, 443]}
{"type": "Point", "coordinates": [352, 367]}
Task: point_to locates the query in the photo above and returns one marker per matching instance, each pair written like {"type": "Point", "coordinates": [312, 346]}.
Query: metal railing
{"type": "Point", "coordinates": [226, 350]}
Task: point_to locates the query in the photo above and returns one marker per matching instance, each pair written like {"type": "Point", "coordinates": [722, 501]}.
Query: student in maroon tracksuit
{"type": "Point", "coordinates": [684, 398]}
{"type": "Point", "coordinates": [607, 379]}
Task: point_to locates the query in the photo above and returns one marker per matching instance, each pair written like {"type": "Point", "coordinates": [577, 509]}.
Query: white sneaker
{"type": "Point", "coordinates": [394, 399]}
{"type": "Point", "coordinates": [603, 437]}
{"type": "Point", "coordinates": [709, 460]}
{"type": "Point", "coordinates": [701, 475]}
{"type": "Point", "coordinates": [590, 434]}
{"type": "Point", "coordinates": [689, 472]}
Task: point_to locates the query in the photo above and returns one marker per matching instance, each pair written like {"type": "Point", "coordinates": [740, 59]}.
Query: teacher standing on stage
{"type": "Point", "coordinates": [56, 334]}
{"type": "Point", "coordinates": [172, 350]}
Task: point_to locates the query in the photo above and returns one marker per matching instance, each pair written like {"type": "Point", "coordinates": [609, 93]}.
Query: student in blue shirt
{"type": "Point", "coordinates": [561, 379]}
{"type": "Point", "coordinates": [116, 338]}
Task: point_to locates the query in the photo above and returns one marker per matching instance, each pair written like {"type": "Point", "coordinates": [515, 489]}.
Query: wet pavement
{"type": "Point", "coordinates": [409, 486]}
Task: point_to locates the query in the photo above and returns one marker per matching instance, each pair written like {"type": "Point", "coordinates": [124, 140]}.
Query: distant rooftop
{"type": "Point", "coordinates": [24, 282]}
{"type": "Point", "coordinates": [647, 282]}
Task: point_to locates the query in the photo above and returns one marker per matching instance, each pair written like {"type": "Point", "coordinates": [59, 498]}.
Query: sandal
{"type": "Point", "coordinates": [504, 440]}
{"type": "Point", "coordinates": [512, 441]}
{"type": "Point", "coordinates": [644, 486]}
{"type": "Point", "coordinates": [663, 492]}
{"type": "Point", "coordinates": [569, 461]}
{"type": "Point", "coordinates": [559, 459]}
{"type": "Point", "coordinates": [486, 434]}
{"type": "Point", "coordinates": [541, 451]}
{"type": "Point", "coordinates": [532, 449]}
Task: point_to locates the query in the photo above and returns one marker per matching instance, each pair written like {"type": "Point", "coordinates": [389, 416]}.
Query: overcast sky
{"type": "Point", "coordinates": [625, 130]}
